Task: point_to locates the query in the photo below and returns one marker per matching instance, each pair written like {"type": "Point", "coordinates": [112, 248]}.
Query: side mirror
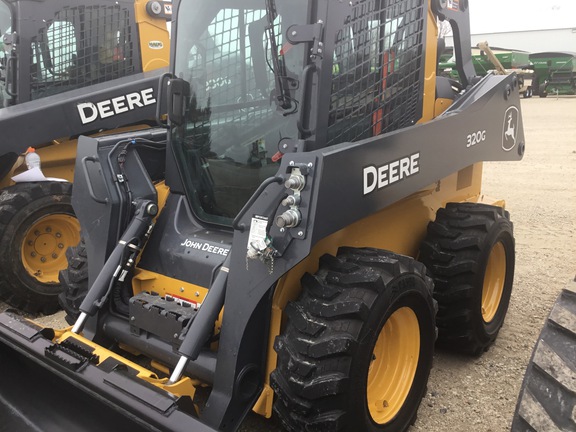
{"type": "Point", "coordinates": [178, 98]}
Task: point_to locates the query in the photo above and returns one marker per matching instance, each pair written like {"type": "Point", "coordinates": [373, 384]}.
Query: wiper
{"type": "Point", "coordinates": [282, 95]}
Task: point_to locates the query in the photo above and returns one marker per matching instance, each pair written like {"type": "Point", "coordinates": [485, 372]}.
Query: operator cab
{"type": "Point", "coordinates": [250, 87]}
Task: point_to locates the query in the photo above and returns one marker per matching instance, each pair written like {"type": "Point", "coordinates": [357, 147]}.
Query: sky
{"type": "Point", "coordinates": [490, 16]}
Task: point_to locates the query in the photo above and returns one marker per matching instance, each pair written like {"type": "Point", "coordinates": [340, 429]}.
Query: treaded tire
{"type": "Point", "coordinates": [547, 400]}
{"type": "Point", "coordinates": [74, 280]}
{"type": "Point", "coordinates": [327, 347]}
{"type": "Point", "coordinates": [457, 251]}
{"type": "Point", "coordinates": [23, 206]}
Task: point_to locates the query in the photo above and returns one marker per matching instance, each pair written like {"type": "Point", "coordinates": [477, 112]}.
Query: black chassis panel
{"type": "Point", "coordinates": [181, 248]}
{"type": "Point", "coordinates": [99, 200]}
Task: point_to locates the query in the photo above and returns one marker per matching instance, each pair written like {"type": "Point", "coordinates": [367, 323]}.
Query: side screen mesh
{"type": "Point", "coordinates": [377, 73]}
{"type": "Point", "coordinates": [81, 46]}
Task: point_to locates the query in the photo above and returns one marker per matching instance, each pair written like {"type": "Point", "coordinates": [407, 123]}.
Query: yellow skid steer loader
{"type": "Point", "coordinates": [324, 224]}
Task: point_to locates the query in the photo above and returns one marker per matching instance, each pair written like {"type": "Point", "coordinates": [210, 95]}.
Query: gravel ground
{"type": "Point", "coordinates": [480, 394]}
{"type": "Point", "coordinates": [540, 191]}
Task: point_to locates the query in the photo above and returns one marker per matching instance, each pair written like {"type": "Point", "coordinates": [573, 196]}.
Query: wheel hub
{"type": "Point", "coordinates": [393, 366]}
{"type": "Point", "coordinates": [45, 243]}
{"type": "Point", "coordinates": [494, 279]}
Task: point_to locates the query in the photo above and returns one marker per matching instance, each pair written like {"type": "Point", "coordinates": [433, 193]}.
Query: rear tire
{"type": "Point", "coordinates": [547, 398]}
{"type": "Point", "coordinates": [357, 348]}
{"type": "Point", "coordinates": [469, 250]}
{"type": "Point", "coordinates": [74, 280]}
{"type": "Point", "coordinates": [37, 225]}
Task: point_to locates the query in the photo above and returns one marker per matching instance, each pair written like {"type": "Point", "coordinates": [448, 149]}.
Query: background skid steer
{"type": "Point", "coordinates": [67, 68]}
{"type": "Point", "coordinates": [312, 155]}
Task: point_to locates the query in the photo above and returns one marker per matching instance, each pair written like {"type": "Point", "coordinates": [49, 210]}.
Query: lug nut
{"type": "Point", "coordinates": [48, 229]}
{"type": "Point", "coordinates": [60, 246]}
{"type": "Point", "coordinates": [43, 259]}
{"type": "Point", "coordinates": [54, 256]}
{"type": "Point", "coordinates": [33, 254]}
{"type": "Point", "coordinates": [36, 232]}
{"type": "Point", "coordinates": [58, 235]}
{"type": "Point", "coordinates": [30, 242]}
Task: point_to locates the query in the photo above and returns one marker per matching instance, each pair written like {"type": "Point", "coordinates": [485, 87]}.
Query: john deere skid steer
{"type": "Point", "coordinates": [67, 68]}
{"type": "Point", "coordinates": [324, 223]}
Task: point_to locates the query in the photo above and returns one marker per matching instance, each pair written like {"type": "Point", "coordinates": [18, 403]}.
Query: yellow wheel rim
{"type": "Point", "coordinates": [45, 243]}
{"type": "Point", "coordinates": [393, 366]}
{"type": "Point", "coordinates": [493, 282]}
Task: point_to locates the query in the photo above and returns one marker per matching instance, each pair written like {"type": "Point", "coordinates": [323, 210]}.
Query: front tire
{"type": "Point", "coordinates": [469, 249]}
{"type": "Point", "coordinates": [357, 348]}
{"type": "Point", "coordinates": [37, 225]}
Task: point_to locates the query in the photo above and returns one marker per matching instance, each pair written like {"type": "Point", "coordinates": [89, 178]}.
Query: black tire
{"type": "Point", "coordinates": [542, 92]}
{"type": "Point", "coordinates": [74, 280]}
{"type": "Point", "coordinates": [461, 243]}
{"type": "Point", "coordinates": [37, 224]}
{"type": "Point", "coordinates": [327, 349]}
{"type": "Point", "coordinates": [547, 400]}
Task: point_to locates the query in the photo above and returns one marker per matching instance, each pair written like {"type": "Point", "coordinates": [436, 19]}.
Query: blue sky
{"type": "Point", "coordinates": [487, 16]}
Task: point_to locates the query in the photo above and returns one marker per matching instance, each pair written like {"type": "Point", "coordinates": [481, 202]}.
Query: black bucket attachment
{"type": "Point", "coordinates": [49, 386]}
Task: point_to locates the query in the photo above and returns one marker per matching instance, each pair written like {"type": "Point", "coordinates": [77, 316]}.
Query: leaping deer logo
{"type": "Point", "coordinates": [510, 129]}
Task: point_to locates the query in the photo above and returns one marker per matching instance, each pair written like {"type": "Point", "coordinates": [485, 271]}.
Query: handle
{"type": "Point", "coordinates": [92, 159]}
{"type": "Point", "coordinates": [10, 68]}
{"type": "Point", "coordinates": [308, 70]}
{"type": "Point", "coordinates": [164, 77]}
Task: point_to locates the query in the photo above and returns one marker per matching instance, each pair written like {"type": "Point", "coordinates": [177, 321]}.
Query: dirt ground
{"type": "Point", "coordinates": [480, 394]}
{"type": "Point", "coordinates": [540, 191]}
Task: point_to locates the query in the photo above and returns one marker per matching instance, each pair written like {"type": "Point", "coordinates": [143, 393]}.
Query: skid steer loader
{"type": "Point", "coordinates": [324, 224]}
{"type": "Point", "coordinates": [67, 68]}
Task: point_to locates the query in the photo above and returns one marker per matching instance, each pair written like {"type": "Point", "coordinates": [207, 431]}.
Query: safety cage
{"type": "Point", "coordinates": [377, 70]}
{"type": "Point", "coordinates": [83, 44]}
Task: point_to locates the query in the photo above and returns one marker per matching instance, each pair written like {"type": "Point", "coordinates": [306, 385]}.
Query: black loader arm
{"type": "Point", "coordinates": [104, 106]}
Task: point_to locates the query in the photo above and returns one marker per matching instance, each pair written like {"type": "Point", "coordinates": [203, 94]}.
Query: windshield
{"type": "Point", "coordinates": [234, 121]}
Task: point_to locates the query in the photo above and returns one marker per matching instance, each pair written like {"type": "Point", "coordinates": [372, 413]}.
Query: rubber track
{"type": "Point", "coordinates": [547, 400]}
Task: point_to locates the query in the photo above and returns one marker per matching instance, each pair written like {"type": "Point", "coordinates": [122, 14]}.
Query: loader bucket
{"type": "Point", "coordinates": [40, 391]}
